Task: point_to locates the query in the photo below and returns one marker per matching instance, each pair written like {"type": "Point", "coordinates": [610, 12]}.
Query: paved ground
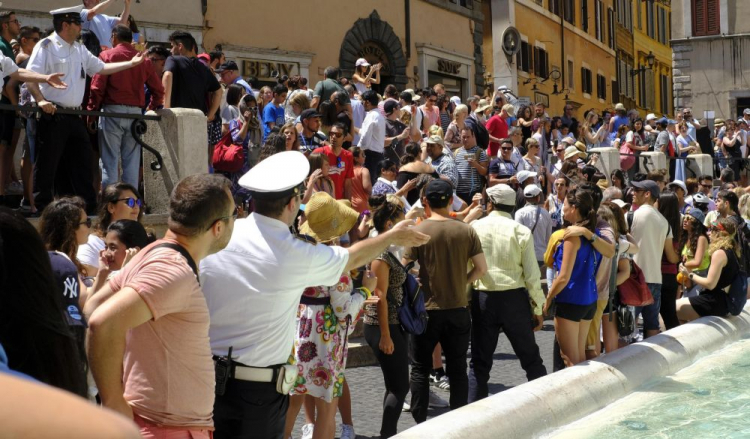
{"type": "Point", "coordinates": [367, 386]}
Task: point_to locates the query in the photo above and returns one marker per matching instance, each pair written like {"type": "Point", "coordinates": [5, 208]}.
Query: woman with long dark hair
{"type": "Point", "coordinates": [669, 207]}
{"type": "Point", "coordinates": [724, 267]}
{"type": "Point", "coordinates": [618, 179]}
{"type": "Point", "coordinates": [119, 201]}
{"type": "Point", "coordinates": [694, 245]}
{"type": "Point", "coordinates": [383, 331]}
{"type": "Point", "coordinates": [33, 328]}
{"type": "Point", "coordinates": [574, 289]}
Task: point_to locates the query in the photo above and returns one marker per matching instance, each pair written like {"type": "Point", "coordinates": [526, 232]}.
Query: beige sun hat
{"type": "Point", "coordinates": [327, 219]}
{"type": "Point", "coordinates": [482, 106]}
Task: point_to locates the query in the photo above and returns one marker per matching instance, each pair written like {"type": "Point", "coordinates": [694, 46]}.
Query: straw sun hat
{"type": "Point", "coordinates": [327, 219]}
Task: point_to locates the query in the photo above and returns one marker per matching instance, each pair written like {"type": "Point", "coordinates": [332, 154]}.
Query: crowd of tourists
{"type": "Point", "coordinates": [435, 221]}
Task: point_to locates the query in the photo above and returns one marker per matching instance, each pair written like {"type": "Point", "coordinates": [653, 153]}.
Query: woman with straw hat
{"type": "Point", "coordinates": [326, 317]}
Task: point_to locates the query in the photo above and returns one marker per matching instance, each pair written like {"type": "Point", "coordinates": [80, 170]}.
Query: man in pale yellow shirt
{"type": "Point", "coordinates": [508, 297]}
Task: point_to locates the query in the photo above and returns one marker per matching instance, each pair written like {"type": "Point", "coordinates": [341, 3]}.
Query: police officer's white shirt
{"type": "Point", "coordinates": [7, 66]}
{"type": "Point", "coordinates": [55, 55]}
{"type": "Point", "coordinates": [253, 288]}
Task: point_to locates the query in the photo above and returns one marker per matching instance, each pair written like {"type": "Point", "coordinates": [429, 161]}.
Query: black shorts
{"type": "Point", "coordinates": [710, 303]}
{"type": "Point", "coordinates": [575, 313]}
{"type": "Point", "coordinates": [8, 125]}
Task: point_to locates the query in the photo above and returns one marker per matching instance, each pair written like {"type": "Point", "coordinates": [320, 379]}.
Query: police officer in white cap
{"type": "Point", "coordinates": [63, 158]}
{"type": "Point", "coordinates": [253, 288]}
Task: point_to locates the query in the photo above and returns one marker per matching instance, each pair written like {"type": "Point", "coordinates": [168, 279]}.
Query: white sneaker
{"type": "Point", "coordinates": [347, 432]}
{"type": "Point", "coordinates": [307, 431]}
{"type": "Point", "coordinates": [407, 407]}
{"type": "Point", "coordinates": [436, 401]}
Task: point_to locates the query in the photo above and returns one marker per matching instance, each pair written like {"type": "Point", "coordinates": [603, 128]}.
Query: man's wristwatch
{"type": "Point", "coordinates": [690, 276]}
{"type": "Point", "coordinates": [594, 237]}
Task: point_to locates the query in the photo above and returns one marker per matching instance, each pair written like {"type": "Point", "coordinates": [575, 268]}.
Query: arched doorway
{"type": "Point", "coordinates": [374, 39]}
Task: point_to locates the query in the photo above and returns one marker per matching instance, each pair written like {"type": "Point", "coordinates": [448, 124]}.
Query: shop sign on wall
{"type": "Point", "coordinates": [266, 70]}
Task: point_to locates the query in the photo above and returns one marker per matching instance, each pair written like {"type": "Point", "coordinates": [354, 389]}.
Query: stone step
{"type": "Point", "coordinates": [360, 353]}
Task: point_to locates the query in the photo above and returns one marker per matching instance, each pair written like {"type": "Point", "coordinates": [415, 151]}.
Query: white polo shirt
{"type": "Point", "coordinates": [372, 133]}
{"type": "Point", "coordinates": [254, 285]}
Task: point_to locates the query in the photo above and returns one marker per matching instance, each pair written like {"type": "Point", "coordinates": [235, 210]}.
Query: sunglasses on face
{"type": "Point", "coordinates": [132, 202]}
{"type": "Point", "coordinates": [335, 134]}
{"type": "Point", "coordinates": [507, 149]}
{"type": "Point", "coordinates": [87, 222]}
{"type": "Point", "coordinates": [706, 185]}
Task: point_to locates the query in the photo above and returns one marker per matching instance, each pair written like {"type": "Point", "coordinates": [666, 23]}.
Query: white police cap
{"type": "Point", "coordinates": [73, 10]}
{"type": "Point", "coordinates": [277, 176]}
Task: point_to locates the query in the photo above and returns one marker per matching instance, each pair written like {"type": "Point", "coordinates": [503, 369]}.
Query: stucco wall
{"type": "Point", "coordinates": [710, 74]}
{"type": "Point", "coordinates": [313, 27]}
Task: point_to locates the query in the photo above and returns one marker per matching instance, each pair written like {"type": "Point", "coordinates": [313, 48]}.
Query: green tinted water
{"type": "Point", "coordinates": [710, 399]}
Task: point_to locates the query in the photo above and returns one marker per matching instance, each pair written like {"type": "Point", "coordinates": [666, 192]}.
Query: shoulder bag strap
{"type": "Point", "coordinates": [180, 249]}
{"type": "Point", "coordinates": [613, 280]}
{"type": "Point", "coordinates": [536, 221]}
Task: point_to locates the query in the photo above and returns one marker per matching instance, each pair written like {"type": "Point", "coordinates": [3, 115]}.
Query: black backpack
{"type": "Point", "coordinates": [743, 239]}
{"type": "Point", "coordinates": [480, 132]}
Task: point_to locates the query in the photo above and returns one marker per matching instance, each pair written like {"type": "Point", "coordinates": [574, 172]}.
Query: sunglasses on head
{"type": "Point", "coordinates": [131, 202]}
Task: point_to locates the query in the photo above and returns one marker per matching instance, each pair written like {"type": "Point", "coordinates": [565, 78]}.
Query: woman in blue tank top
{"type": "Point", "coordinates": [574, 289]}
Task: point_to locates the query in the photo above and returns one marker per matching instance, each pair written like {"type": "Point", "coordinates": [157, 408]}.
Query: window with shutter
{"type": "Point", "coordinates": [611, 28]}
{"type": "Point", "coordinates": [585, 15]}
{"type": "Point", "coordinates": [615, 88]}
{"type": "Point", "coordinates": [571, 76]}
{"type": "Point", "coordinates": [523, 58]}
{"type": "Point", "coordinates": [570, 11]}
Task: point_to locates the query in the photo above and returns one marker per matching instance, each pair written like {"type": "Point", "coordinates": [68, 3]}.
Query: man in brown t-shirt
{"type": "Point", "coordinates": [444, 277]}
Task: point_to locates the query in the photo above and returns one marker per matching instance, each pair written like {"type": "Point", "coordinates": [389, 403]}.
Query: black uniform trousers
{"type": "Point", "coordinates": [63, 162]}
{"type": "Point", "coordinates": [250, 410]}
{"type": "Point", "coordinates": [509, 311]}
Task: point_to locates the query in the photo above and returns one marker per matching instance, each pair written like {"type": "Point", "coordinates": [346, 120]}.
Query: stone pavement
{"type": "Point", "coordinates": [367, 387]}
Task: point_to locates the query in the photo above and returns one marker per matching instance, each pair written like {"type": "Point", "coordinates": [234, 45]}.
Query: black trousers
{"type": "Point", "coordinates": [372, 159]}
{"type": "Point", "coordinates": [250, 410]}
{"type": "Point", "coordinates": [509, 311]}
{"type": "Point", "coordinates": [63, 162]}
{"type": "Point", "coordinates": [395, 369]}
{"type": "Point", "coordinates": [668, 306]}
{"type": "Point", "coordinates": [451, 328]}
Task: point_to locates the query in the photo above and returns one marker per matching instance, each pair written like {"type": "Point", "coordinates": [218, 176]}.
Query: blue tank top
{"type": "Point", "coordinates": [581, 289]}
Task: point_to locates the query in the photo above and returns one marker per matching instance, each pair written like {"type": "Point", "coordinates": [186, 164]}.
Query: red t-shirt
{"type": "Point", "coordinates": [341, 168]}
{"type": "Point", "coordinates": [497, 127]}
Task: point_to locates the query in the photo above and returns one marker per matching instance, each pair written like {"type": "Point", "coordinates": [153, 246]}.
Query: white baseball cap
{"type": "Point", "coordinates": [362, 62]}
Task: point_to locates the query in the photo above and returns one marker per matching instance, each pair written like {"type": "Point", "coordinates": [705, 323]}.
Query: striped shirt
{"type": "Point", "coordinates": [469, 179]}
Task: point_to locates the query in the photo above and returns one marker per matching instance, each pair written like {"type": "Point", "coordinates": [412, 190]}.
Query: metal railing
{"type": "Point", "coordinates": [137, 128]}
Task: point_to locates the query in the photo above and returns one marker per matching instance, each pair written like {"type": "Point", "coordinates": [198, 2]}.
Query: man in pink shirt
{"type": "Point", "coordinates": [497, 126]}
{"type": "Point", "coordinates": [148, 342]}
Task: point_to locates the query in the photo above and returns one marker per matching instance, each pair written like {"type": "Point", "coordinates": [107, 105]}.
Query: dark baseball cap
{"type": "Point", "coordinates": [307, 114]}
{"type": "Point", "coordinates": [229, 65]}
{"type": "Point", "coordinates": [648, 185]}
{"type": "Point", "coordinates": [390, 106]}
{"type": "Point", "coordinates": [438, 190]}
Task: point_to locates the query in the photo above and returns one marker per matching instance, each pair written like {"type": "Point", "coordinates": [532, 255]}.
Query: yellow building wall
{"type": "Point", "coordinates": [539, 25]}
{"type": "Point", "coordinates": [642, 45]}
{"type": "Point", "coordinates": [319, 27]}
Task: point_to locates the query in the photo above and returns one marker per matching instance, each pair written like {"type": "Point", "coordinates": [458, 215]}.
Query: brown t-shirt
{"type": "Point", "coordinates": [443, 262]}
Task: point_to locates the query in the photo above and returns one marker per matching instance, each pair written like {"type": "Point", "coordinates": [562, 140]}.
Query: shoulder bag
{"type": "Point", "coordinates": [634, 291]}
{"type": "Point", "coordinates": [228, 156]}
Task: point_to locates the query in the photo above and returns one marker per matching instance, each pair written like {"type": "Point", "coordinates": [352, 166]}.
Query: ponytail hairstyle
{"type": "Point", "coordinates": [583, 201]}
{"type": "Point", "coordinates": [388, 211]}
{"type": "Point", "coordinates": [413, 151]}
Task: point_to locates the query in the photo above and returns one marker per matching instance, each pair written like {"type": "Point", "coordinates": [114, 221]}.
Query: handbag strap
{"type": "Point", "coordinates": [613, 280]}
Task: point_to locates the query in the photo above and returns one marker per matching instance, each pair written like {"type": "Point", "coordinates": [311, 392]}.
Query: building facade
{"type": "Point", "coordinates": [651, 35]}
{"type": "Point", "coordinates": [711, 74]}
{"type": "Point", "coordinates": [566, 52]}
{"type": "Point", "coordinates": [419, 42]}
{"type": "Point", "coordinates": [155, 22]}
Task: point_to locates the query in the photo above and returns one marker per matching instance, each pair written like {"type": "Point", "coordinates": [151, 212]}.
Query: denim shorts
{"type": "Point", "coordinates": [651, 312]}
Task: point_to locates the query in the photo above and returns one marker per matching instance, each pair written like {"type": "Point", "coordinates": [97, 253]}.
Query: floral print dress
{"type": "Point", "coordinates": [320, 347]}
